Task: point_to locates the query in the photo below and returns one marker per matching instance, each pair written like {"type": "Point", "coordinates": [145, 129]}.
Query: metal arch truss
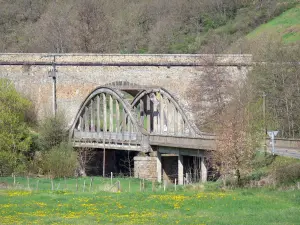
{"type": "Point", "coordinates": [106, 120]}
{"type": "Point", "coordinates": [160, 113]}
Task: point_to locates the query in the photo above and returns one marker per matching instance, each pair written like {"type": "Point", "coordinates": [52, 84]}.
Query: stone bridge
{"type": "Point", "coordinates": [140, 103]}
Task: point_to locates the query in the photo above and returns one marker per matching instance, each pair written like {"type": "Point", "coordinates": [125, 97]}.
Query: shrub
{"type": "Point", "coordinates": [14, 135]}
{"type": "Point", "coordinates": [60, 161]}
{"type": "Point", "coordinates": [286, 172]}
{"type": "Point", "coordinates": [53, 131]}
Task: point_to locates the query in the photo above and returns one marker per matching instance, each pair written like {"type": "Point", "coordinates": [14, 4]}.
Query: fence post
{"type": "Point", "coordinates": [28, 184]}
{"type": "Point", "coordinates": [57, 188]}
{"type": "Point", "coordinates": [76, 183]}
{"type": "Point", "coordinates": [37, 185]}
{"type": "Point", "coordinates": [129, 187]}
{"type": "Point", "coordinates": [83, 185]}
{"type": "Point", "coordinates": [91, 183]}
{"type": "Point", "coordinates": [143, 184]}
{"type": "Point", "coordinates": [140, 185]}
{"type": "Point", "coordinates": [164, 185]}
{"type": "Point", "coordinates": [14, 179]}
{"type": "Point", "coordinates": [52, 187]}
{"type": "Point", "coordinates": [175, 183]}
{"type": "Point", "coordinates": [65, 184]}
{"type": "Point", "coordinates": [111, 177]}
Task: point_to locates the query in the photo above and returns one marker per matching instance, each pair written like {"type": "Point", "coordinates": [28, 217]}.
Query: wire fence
{"type": "Point", "coordinates": [86, 184]}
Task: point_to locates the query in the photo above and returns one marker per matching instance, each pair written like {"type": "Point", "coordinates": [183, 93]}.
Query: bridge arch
{"type": "Point", "coordinates": [105, 119]}
{"type": "Point", "coordinates": [160, 113]}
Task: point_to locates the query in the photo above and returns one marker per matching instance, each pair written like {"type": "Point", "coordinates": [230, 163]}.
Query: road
{"type": "Point", "coordinates": [289, 152]}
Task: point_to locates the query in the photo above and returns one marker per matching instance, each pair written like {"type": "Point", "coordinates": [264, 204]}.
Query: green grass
{"type": "Point", "coordinates": [88, 184]}
{"type": "Point", "coordinates": [287, 26]}
{"type": "Point", "coordinates": [251, 206]}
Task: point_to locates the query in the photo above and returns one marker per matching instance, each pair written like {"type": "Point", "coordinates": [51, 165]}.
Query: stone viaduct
{"type": "Point", "coordinates": [140, 103]}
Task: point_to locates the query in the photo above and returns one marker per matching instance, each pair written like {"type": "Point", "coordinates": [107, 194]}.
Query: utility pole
{"type": "Point", "coordinates": [264, 118]}
{"type": "Point", "coordinates": [52, 73]}
{"type": "Point", "coordinates": [264, 112]}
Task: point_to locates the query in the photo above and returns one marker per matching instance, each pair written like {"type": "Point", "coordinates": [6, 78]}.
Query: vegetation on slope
{"type": "Point", "coordinates": [286, 26]}
{"type": "Point", "coordinates": [144, 26]}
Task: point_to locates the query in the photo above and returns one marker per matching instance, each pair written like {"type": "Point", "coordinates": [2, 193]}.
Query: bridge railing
{"type": "Point", "coordinates": [125, 140]}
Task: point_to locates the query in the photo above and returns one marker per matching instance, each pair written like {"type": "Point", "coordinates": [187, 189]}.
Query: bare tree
{"type": "Point", "coordinates": [85, 155]}
{"type": "Point", "coordinates": [127, 163]}
{"type": "Point", "coordinates": [238, 138]}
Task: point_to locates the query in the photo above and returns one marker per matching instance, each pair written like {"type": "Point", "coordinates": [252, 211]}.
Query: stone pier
{"type": "Point", "coordinates": [168, 164]}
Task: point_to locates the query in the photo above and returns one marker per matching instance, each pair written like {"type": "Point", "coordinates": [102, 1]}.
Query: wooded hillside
{"type": "Point", "coordinates": [130, 26]}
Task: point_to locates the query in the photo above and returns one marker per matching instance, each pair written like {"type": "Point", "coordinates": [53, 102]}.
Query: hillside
{"type": "Point", "coordinates": [285, 26]}
{"type": "Point", "coordinates": [145, 26]}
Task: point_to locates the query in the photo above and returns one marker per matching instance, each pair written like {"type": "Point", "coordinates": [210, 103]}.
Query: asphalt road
{"type": "Point", "coordinates": [289, 152]}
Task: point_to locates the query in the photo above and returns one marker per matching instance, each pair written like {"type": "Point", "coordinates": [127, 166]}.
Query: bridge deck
{"type": "Point", "coordinates": [136, 141]}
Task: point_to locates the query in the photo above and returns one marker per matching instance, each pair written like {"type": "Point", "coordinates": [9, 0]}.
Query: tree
{"type": "Point", "coordinates": [85, 155]}
{"type": "Point", "coordinates": [278, 77]}
{"type": "Point", "coordinates": [127, 163]}
{"type": "Point", "coordinates": [53, 131]}
{"type": "Point", "coordinates": [14, 135]}
{"type": "Point", "coordinates": [238, 137]}
{"type": "Point", "coordinates": [228, 108]}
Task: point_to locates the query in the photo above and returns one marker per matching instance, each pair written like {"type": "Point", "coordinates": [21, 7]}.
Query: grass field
{"type": "Point", "coordinates": [287, 26]}
{"type": "Point", "coordinates": [184, 206]}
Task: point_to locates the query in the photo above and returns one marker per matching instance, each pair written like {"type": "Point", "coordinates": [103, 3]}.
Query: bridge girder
{"type": "Point", "coordinates": [107, 120]}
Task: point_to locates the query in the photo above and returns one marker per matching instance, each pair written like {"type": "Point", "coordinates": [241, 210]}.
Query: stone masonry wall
{"type": "Point", "coordinates": [79, 74]}
{"type": "Point", "coordinates": [145, 167]}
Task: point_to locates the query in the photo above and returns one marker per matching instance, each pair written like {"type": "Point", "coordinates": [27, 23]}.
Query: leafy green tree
{"type": "Point", "coordinates": [14, 136]}
{"type": "Point", "coordinates": [53, 131]}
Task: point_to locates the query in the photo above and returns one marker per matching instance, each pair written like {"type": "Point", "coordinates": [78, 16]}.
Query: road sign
{"type": "Point", "coordinates": [272, 134]}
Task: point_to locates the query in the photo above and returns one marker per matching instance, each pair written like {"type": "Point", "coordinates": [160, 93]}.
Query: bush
{"type": "Point", "coordinates": [286, 171]}
{"type": "Point", "coordinates": [14, 135]}
{"type": "Point", "coordinates": [60, 161]}
{"type": "Point", "coordinates": [53, 131]}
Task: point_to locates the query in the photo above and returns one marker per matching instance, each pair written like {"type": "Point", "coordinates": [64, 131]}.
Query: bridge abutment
{"type": "Point", "coordinates": [168, 164]}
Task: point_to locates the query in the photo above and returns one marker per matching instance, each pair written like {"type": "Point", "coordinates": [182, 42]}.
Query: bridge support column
{"type": "Point", "coordinates": [203, 171]}
{"type": "Point", "coordinates": [180, 169]}
{"type": "Point", "coordinates": [159, 167]}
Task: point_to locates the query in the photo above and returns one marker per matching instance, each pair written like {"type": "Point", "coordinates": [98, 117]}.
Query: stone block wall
{"type": "Point", "coordinates": [79, 74]}
{"type": "Point", "coordinates": [145, 167]}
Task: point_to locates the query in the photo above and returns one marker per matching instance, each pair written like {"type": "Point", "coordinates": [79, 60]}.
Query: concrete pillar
{"type": "Point", "coordinates": [159, 167]}
{"type": "Point", "coordinates": [203, 171]}
{"type": "Point", "coordinates": [180, 169]}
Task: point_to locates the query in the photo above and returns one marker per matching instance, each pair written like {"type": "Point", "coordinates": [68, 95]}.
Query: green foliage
{"type": "Point", "coordinates": [112, 26]}
{"type": "Point", "coordinates": [14, 136]}
{"type": "Point", "coordinates": [280, 82]}
{"type": "Point", "coordinates": [60, 161]}
{"type": "Point", "coordinates": [53, 131]}
{"type": "Point", "coordinates": [286, 25]}
{"type": "Point", "coordinates": [286, 170]}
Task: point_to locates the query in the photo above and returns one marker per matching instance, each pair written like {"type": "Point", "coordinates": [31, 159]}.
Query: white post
{"type": "Point", "coordinates": [159, 167]}
{"type": "Point", "coordinates": [180, 169]}
{"type": "Point", "coordinates": [203, 171]}
{"type": "Point", "coordinates": [111, 177]}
